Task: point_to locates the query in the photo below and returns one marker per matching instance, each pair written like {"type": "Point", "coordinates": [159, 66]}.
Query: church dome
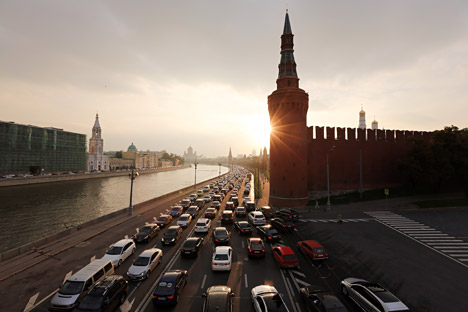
{"type": "Point", "coordinates": [132, 148]}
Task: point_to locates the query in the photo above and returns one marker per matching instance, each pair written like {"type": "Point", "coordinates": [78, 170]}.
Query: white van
{"type": "Point", "coordinates": [77, 285]}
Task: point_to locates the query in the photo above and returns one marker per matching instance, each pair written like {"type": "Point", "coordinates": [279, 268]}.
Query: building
{"type": "Point", "coordinates": [136, 159]}
{"type": "Point", "coordinates": [375, 125]}
{"type": "Point", "coordinates": [97, 161]}
{"type": "Point", "coordinates": [31, 149]}
{"type": "Point", "coordinates": [298, 154]}
{"type": "Point", "coordinates": [190, 156]}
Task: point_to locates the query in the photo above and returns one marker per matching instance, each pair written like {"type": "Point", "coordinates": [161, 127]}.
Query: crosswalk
{"type": "Point", "coordinates": [456, 249]}
{"type": "Point", "coordinates": [336, 220]}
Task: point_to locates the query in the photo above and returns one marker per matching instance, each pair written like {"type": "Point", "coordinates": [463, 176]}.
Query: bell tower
{"type": "Point", "coordinates": [288, 106]}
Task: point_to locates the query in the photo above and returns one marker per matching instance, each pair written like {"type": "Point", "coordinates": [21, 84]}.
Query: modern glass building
{"type": "Point", "coordinates": [26, 148]}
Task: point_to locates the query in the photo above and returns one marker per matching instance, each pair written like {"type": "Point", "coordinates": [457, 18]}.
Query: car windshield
{"type": "Point", "coordinates": [319, 250]}
{"type": "Point", "coordinates": [71, 288]}
{"type": "Point", "coordinates": [221, 257]}
{"type": "Point", "coordinates": [220, 233]}
{"type": "Point", "coordinates": [210, 210]}
{"type": "Point", "coordinates": [91, 302]}
{"type": "Point", "coordinates": [183, 218]}
{"type": "Point", "coordinates": [165, 286]}
{"type": "Point", "coordinates": [274, 303]}
{"type": "Point", "coordinates": [256, 245]}
{"type": "Point", "coordinates": [289, 257]}
{"type": "Point", "coordinates": [272, 231]}
{"type": "Point", "coordinates": [219, 300]}
{"type": "Point", "coordinates": [162, 219]}
{"type": "Point", "coordinates": [191, 210]}
{"type": "Point", "coordinates": [227, 215]}
{"type": "Point", "coordinates": [244, 225]}
{"type": "Point", "coordinates": [185, 202]}
{"type": "Point", "coordinates": [175, 209]}
{"type": "Point", "coordinates": [146, 229]}
{"type": "Point", "coordinates": [170, 232]}
{"type": "Point", "coordinates": [189, 243]}
{"type": "Point", "coordinates": [141, 261]}
{"type": "Point", "coordinates": [382, 293]}
{"type": "Point", "coordinates": [201, 223]}
{"type": "Point", "coordinates": [114, 250]}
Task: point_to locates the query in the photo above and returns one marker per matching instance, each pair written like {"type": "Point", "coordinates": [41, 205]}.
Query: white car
{"type": "Point", "coordinates": [120, 251]}
{"type": "Point", "coordinates": [203, 225]}
{"type": "Point", "coordinates": [184, 220]}
{"type": "Point", "coordinates": [266, 298]}
{"type": "Point", "coordinates": [146, 262]}
{"type": "Point", "coordinates": [370, 296]}
{"type": "Point", "coordinates": [206, 188]}
{"type": "Point", "coordinates": [257, 218]}
{"type": "Point", "coordinates": [222, 259]}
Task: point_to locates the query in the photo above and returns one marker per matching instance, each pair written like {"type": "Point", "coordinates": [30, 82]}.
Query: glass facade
{"type": "Point", "coordinates": [25, 148]}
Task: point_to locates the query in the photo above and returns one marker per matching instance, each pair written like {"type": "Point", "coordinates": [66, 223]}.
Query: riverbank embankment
{"type": "Point", "coordinates": [15, 181]}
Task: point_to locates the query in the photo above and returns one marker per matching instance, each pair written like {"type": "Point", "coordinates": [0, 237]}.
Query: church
{"type": "Point", "coordinates": [97, 161]}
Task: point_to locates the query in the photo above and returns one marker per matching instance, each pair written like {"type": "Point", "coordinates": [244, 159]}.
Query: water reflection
{"type": "Point", "coordinates": [30, 212]}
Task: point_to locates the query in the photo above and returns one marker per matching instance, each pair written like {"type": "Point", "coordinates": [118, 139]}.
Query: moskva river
{"type": "Point", "coordinates": [31, 212]}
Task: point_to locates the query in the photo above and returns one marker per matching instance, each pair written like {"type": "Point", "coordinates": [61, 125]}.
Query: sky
{"type": "Point", "coordinates": [173, 74]}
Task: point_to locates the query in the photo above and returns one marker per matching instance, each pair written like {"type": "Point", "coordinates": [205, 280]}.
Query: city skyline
{"type": "Point", "coordinates": [168, 76]}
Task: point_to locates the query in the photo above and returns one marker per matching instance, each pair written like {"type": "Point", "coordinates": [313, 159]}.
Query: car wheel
{"type": "Point", "coordinates": [120, 262]}
{"type": "Point", "coordinates": [122, 298]}
{"type": "Point", "coordinates": [344, 290]}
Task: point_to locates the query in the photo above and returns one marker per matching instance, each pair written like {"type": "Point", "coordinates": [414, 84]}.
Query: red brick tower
{"type": "Point", "coordinates": [288, 107]}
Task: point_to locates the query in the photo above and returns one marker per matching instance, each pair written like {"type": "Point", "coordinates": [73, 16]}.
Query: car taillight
{"type": "Point", "coordinates": [279, 236]}
{"type": "Point", "coordinates": [182, 250]}
{"type": "Point", "coordinates": [214, 263]}
{"type": "Point", "coordinates": [170, 297]}
{"type": "Point", "coordinates": [263, 250]}
{"type": "Point", "coordinates": [255, 219]}
{"type": "Point", "coordinates": [227, 238]}
{"type": "Point", "coordinates": [228, 263]}
{"type": "Point", "coordinates": [284, 225]}
{"type": "Point", "coordinates": [269, 237]}
{"type": "Point", "coordinates": [292, 224]}
{"type": "Point", "coordinates": [250, 250]}
{"type": "Point", "coordinates": [155, 297]}
{"type": "Point", "coordinates": [217, 240]}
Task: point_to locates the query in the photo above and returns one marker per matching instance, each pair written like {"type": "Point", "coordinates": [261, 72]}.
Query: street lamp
{"type": "Point", "coordinates": [132, 177]}
{"type": "Point", "coordinates": [219, 175]}
{"type": "Point", "coordinates": [328, 179]}
{"type": "Point", "coordinates": [195, 185]}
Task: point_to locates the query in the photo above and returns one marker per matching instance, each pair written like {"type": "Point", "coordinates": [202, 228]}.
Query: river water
{"type": "Point", "coordinates": [31, 212]}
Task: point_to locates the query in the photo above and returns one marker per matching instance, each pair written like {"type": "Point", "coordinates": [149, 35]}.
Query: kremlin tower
{"type": "Point", "coordinates": [288, 106]}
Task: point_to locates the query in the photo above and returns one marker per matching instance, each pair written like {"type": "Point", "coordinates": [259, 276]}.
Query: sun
{"type": "Point", "coordinates": [258, 129]}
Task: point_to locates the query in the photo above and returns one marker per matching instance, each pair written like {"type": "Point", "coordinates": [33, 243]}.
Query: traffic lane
{"type": "Point", "coordinates": [374, 252]}
{"type": "Point", "coordinates": [449, 221]}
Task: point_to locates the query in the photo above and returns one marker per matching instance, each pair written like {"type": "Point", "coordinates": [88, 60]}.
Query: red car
{"type": "Point", "coordinates": [313, 249]}
{"type": "Point", "coordinates": [285, 256]}
{"type": "Point", "coordinates": [255, 247]}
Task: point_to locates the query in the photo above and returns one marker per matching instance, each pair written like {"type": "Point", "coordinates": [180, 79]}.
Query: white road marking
{"type": "Point", "coordinates": [450, 246]}
{"type": "Point", "coordinates": [451, 250]}
{"type": "Point", "coordinates": [441, 240]}
{"type": "Point", "coordinates": [448, 243]}
{"type": "Point", "coordinates": [203, 282]}
{"type": "Point", "coordinates": [302, 282]}
{"type": "Point", "coordinates": [288, 288]}
{"type": "Point", "coordinates": [464, 260]}
{"type": "Point", "coordinates": [245, 279]}
{"type": "Point", "coordinates": [459, 255]}
{"type": "Point", "coordinates": [68, 275]}
{"type": "Point", "coordinates": [243, 245]}
{"type": "Point", "coordinates": [298, 273]}
{"type": "Point", "coordinates": [127, 306]}
{"type": "Point", "coordinates": [31, 302]}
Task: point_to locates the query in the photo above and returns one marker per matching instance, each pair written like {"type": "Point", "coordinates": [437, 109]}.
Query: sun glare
{"type": "Point", "coordinates": [258, 128]}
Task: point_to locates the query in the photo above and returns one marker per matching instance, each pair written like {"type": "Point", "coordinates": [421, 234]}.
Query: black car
{"type": "Point", "coordinates": [226, 217]}
{"type": "Point", "coordinates": [106, 295]}
{"type": "Point", "coordinates": [267, 212]}
{"type": "Point", "coordinates": [191, 246]}
{"type": "Point", "coordinates": [193, 211]}
{"type": "Point", "coordinates": [218, 299]}
{"type": "Point", "coordinates": [185, 203]}
{"type": "Point", "coordinates": [288, 213]}
{"type": "Point", "coordinates": [268, 233]}
{"type": "Point", "coordinates": [235, 200]}
{"type": "Point", "coordinates": [221, 235]}
{"type": "Point", "coordinates": [169, 287]}
{"type": "Point", "coordinates": [210, 213]}
{"type": "Point", "coordinates": [148, 232]}
{"type": "Point", "coordinates": [243, 227]}
{"type": "Point", "coordinates": [241, 212]}
{"type": "Point", "coordinates": [216, 204]}
{"type": "Point", "coordinates": [172, 235]}
{"type": "Point", "coordinates": [318, 300]}
{"type": "Point", "coordinates": [282, 225]}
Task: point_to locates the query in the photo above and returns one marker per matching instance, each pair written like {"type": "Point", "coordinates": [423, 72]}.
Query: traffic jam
{"type": "Point", "coordinates": [217, 251]}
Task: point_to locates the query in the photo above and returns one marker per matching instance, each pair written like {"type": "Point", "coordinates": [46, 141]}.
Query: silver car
{"type": "Point", "coordinates": [371, 296]}
{"type": "Point", "coordinates": [144, 264]}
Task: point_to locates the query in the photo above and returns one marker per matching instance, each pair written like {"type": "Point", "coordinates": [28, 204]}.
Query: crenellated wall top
{"type": "Point", "coordinates": [356, 134]}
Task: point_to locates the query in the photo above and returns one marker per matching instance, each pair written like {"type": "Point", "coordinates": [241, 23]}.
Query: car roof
{"type": "Point", "coordinates": [122, 242]}
{"type": "Point", "coordinates": [218, 288]}
{"type": "Point", "coordinates": [285, 250]}
{"type": "Point", "coordinates": [149, 252]}
{"type": "Point", "coordinates": [176, 227]}
{"type": "Point", "coordinates": [171, 276]}
{"type": "Point", "coordinates": [254, 239]}
{"type": "Point", "coordinates": [203, 220]}
{"type": "Point", "coordinates": [185, 215]}
{"type": "Point", "coordinates": [227, 212]}
{"type": "Point", "coordinates": [312, 243]}
{"type": "Point", "coordinates": [222, 249]}
{"type": "Point", "coordinates": [192, 238]}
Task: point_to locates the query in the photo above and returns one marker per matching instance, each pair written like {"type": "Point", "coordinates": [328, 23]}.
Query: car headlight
{"type": "Point", "coordinates": [173, 239]}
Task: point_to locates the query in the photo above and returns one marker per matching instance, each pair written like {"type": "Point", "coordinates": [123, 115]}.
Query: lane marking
{"type": "Point", "coordinates": [203, 282]}
{"type": "Point", "coordinates": [288, 287]}
{"type": "Point", "coordinates": [245, 278]}
{"type": "Point", "coordinates": [31, 302]}
{"type": "Point", "coordinates": [243, 245]}
{"type": "Point", "coordinates": [449, 243]}
{"type": "Point", "coordinates": [302, 282]}
{"type": "Point", "coordinates": [298, 273]}
{"type": "Point", "coordinates": [441, 240]}
{"type": "Point", "coordinates": [459, 255]}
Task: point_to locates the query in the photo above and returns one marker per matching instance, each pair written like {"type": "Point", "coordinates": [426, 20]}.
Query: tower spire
{"type": "Point", "coordinates": [287, 76]}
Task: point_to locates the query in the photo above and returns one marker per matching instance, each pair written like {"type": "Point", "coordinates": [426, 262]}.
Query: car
{"type": "Point", "coordinates": [226, 217]}
{"type": "Point", "coordinates": [163, 220]}
{"type": "Point", "coordinates": [267, 212]}
{"type": "Point", "coordinates": [247, 190]}
{"type": "Point", "coordinates": [222, 259]}
{"type": "Point", "coordinates": [184, 220]}
{"type": "Point", "coordinates": [317, 299]}
{"type": "Point", "coordinates": [210, 213]}
{"type": "Point", "coordinates": [146, 233]}
{"type": "Point", "coordinates": [255, 247]}
{"type": "Point", "coordinates": [200, 192]}
{"type": "Point", "coordinates": [200, 203]}
{"type": "Point", "coordinates": [120, 251]}
{"type": "Point", "coordinates": [193, 211]}
{"type": "Point", "coordinates": [191, 246]}
{"type": "Point", "coordinates": [216, 204]}
{"type": "Point", "coordinates": [218, 198]}
{"type": "Point", "coordinates": [230, 205]}
{"type": "Point", "coordinates": [243, 227]}
{"type": "Point", "coordinates": [218, 299]}
{"type": "Point", "coordinates": [176, 211]}
{"type": "Point", "coordinates": [193, 197]}
{"type": "Point", "coordinates": [241, 212]}
{"type": "Point", "coordinates": [250, 205]}
{"type": "Point", "coordinates": [221, 235]}
{"type": "Point", "coordinates": [106, 295]}
{"type": "Point", "coordinates": [203, 225]}
{"type": "Point", "coordinates": [282, 225]}
{"type": "Point", "coordinates": [268, 233]}
{"type": "Point", "coordinates": [266, 298]}
{"type": "Point", "coordinates": [285, 256]}
{"type": "Point", "coordinates": [313, 249]}
{"type": "Point", "coordinates": [169, 287]}
{"type": "Point", "coordinates": [288, 213]}
{"type": "Point", "coordinates": [235, 200]}
{"type": "Point", "coordinates": [211, 194]}
{"type": "Point", "coordinates": [172, 235]}
{"type": "Point", "coordinates": [144, 264]}
{"type": "Point", "coordinates": [256, 218]}
{"type": "Point", "coordinates": [206, 188]}
{"type": "Point", "coordinates": [206, 198]}
{"type": "Point", "coordinates": [185, 203]}
{"type": "Point", "coordinates": [371, 296]}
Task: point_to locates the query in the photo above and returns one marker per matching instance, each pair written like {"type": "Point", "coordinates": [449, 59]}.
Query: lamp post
{"type": "Point", "coordinates": [219, 175]}
{"type": "Point", "coordinates": [195, 185]}
{"type": "Point", "coordinates": [328, 179]}
{"type": "Point", "coordinates": [132, 177]}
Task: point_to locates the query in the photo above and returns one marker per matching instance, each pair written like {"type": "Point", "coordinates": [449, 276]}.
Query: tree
{"type": "Point", "coordinates": [118, 154]}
